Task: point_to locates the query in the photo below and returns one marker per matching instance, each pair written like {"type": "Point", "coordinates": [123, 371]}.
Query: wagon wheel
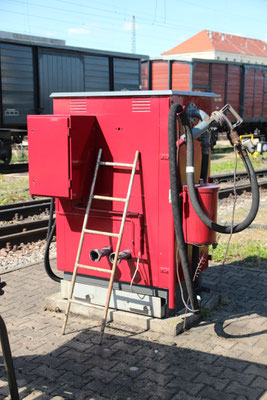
{"type": "Point", "coordinates": [6, 154]}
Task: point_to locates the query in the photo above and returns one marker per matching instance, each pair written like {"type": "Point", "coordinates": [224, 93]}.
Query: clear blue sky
{"type": "Point", "coordinates": [160, 24]}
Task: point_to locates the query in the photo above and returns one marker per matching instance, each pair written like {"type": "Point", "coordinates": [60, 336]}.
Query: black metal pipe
{"type": "Point", "coordinates": [176, 206]}
{"type": "Point", "coordinates": [96, 254]}
{"type": "Point", "coordinates": [12, 383]}
{"type": "Point", "coordinates": [205, 153]}
{"type": "Point", "coordinates": [123, 255]}
{"type": "Point", "coordinates": [51, 215]}
{"type": "Point", "coordinates": [50, 233]}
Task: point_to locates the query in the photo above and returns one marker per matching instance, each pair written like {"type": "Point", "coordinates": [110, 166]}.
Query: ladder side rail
{"type": "Point", "coordinates": [118, 247]}
{"type": "Point", "coordinates": [81, 243]}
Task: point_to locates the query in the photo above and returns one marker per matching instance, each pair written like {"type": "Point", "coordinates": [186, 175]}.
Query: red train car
{"type": "Point", "coordinates": [244, 86]}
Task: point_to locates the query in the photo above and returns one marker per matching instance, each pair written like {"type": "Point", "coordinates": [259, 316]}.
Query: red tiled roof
{"type": "Point", "coordinates": [208, 40]}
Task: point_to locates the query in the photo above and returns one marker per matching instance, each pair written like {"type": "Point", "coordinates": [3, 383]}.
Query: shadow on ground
{"type": "Point", "coordinates": [251, 262]}
{"type": "Point", "coordinates": [127, 368]}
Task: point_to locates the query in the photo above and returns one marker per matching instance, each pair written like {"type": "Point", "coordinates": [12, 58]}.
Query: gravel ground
{"type": "Point", "coordinates": [16, 257]}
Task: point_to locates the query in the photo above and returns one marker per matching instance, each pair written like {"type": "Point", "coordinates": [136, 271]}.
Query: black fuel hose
{"type": "Point", "coordinates": [176, 207]}
{"type": "Point", "coordinates": [193, 194]}
{"type": "Point", "coordinates": [50, 234]}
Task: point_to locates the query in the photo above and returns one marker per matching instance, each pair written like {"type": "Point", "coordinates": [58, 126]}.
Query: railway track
{"type": "Point", "coordinates": [229, 177]}
{"type": "Point", "coordinates": [14, 168]}
{"type": "Point", "coordinates": [240, 188]}
{"type": "Point", "coordinates": [227, 191]}
{"type": "Point", "coordinates": [24, 231]}
{"type": "Point", "coordinates": [23, 209]}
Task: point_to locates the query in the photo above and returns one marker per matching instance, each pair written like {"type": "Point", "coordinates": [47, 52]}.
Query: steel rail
{"type": "Point", "coordinates": [9, 211]}
{"type": "Point", "coordinates": [226, 192]}
{"type": "Point", "coordinates": [20, 232]}
{"type": "Point", "coordinates": [219, 178]}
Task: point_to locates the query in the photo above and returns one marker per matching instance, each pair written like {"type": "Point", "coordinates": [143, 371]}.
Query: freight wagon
{"type": "Point", "coordinates": [30, 72]}
{"type": "Point", "coordinates": [244, 86]}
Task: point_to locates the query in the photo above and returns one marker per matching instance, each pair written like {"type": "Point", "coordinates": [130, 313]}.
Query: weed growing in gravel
{"type": "Point", "coordinates": [206, 312]}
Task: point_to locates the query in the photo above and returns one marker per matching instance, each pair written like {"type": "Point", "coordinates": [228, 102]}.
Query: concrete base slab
{"type": "Point", "coordinates": [170, 326]}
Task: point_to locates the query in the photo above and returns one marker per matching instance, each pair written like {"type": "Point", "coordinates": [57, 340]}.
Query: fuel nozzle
{"type": "Point", "coordinates": [222, 121]}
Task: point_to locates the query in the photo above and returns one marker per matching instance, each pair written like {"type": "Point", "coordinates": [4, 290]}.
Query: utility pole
{"type": "Point", "coordinates": [133, 35]}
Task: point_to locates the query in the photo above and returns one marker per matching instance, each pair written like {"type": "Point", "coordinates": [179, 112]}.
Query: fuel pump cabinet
{"type": "Point", "coordinates": [62, 155]}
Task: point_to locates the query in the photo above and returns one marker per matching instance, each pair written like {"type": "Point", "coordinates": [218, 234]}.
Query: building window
{"type": "Point", "coordinates": [226, 58]}
{"type": "Point", "coordinates": [218, 58]}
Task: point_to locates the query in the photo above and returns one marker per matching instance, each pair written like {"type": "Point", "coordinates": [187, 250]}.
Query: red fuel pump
{"type": "Point", "coordinates": [121, 123]}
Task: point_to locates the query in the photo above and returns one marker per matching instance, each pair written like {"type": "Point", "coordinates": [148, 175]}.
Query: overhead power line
{"type": "Point", "coordinates": [133, 36]}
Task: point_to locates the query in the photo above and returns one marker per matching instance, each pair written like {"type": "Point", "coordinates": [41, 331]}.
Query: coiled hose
{"type": "Point", "coordinates": [176, 207]}
{"type": "Point", "coordinates": [193, 194]}
{"type": "Point", "coordinates": [50, 233]}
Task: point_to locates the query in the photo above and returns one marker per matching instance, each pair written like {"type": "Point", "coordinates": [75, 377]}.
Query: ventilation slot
{"type": "Point", "coordinates": [78, 106]}
{"type": "Point", "coordinates": [141, 105]}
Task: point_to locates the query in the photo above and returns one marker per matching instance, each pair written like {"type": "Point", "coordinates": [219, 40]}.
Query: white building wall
{"type": "Point", "coordinates": [207, 55]}
{"type": "Point", "coordinates": [218, 55]}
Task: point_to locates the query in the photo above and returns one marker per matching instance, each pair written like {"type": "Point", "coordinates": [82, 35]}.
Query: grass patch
{"type": "Point", "coordinates": [248, 253]}
{"type": "Point", "coordinates": [13, 191]}
{"type": "Point", "coordinates": [222, 149]}
{"type": "Point", "coordinates": [19, 159]}
{"type": "Point", "coordinates": [221, 166]}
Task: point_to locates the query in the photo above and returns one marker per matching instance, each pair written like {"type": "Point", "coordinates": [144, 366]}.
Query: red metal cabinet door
{"type": "Point", "coordinates": [48, 138]}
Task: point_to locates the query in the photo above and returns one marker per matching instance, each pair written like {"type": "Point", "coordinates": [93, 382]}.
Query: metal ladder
{"type": "Point", "coordinates": [110, 234]}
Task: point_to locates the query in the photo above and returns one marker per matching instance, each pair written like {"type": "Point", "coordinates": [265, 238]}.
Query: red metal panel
{"type": "Point", "coordinates": [119, 138]}
{"type": "Point", "coordinates": [258, 94]}
{"type": "Point", "coordinates": [234, 86]}
{"type": "Point", "coordinates": [218, 84]}
{"type": "Point", "coordinates": [159, 70]}
{"type": "Point", "coordinates": [124, 125]}
{"type": "Point", "coordinates": [201, 74]}
{"type": "Point", "coordinates": [69, 225]}
{"type": "Point", "coordinates": [48, 138]}
{"type": "Point", "coordinates": [144, 75]}
{"type": "Point", "coordinates": [61, 153]}
{"type": "Point", "coordinates": [180, 76]}
{"type": "Point", "coordinates": [248, 93]}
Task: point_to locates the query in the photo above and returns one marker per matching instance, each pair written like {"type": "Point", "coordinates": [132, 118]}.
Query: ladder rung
{"type": "Point", "coordinates": [108, 198]}
{"type": "Point", "coordinates": [102, 233]}
{"type": "Point", "coordinates": [114, 164]}
{"type": "Point", "coordinates": [108, 271]}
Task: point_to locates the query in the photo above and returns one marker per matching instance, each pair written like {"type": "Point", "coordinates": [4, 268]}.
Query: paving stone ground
{"type": "Point", "coordinates": [224, 357]}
